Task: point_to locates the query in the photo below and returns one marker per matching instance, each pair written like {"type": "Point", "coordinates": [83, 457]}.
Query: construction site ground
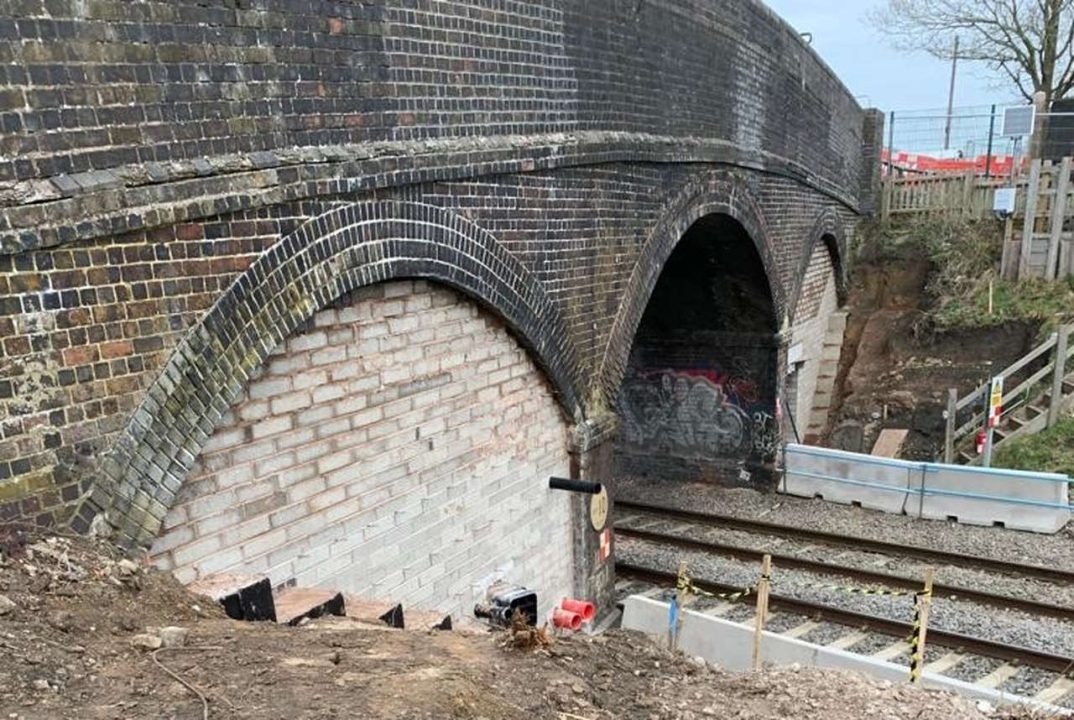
{"type": "Point", "coordinates": [73, 613]}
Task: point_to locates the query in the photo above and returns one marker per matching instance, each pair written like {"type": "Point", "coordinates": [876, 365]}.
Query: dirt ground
{"type": "Point", "coordinates": [893, 375]}
{"type": "Point", "coordinates": [72, 610]}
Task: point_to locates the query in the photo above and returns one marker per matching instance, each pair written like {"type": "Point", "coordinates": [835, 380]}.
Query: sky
{"type": "Point", "coordinates": [880, 76]}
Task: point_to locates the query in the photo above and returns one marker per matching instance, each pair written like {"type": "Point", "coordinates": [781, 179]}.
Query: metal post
{"type": "Point", "coordinates": [891, 144]}
{"type": "Point", "coordinates": [1058, 374]}
{"type": "Point", "coordinates": [991, 131]}
{"type": "Point", "coordinates": [762, 609]}
{"type": "Point", "coordinates": [951, 98]}
{"type": "Point", "coordinates": [987, 460]}
{"type": "Point", "coordinates": [995, 386]}
{"type": "Point", "coordinates": [949, 433]}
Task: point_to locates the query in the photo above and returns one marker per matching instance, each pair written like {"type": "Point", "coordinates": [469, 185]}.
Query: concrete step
{"type": "Point", "coordinates": [295, 604]}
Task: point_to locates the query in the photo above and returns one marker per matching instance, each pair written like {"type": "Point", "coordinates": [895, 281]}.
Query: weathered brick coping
{"type": "Point", "coordinates": [67, 208]}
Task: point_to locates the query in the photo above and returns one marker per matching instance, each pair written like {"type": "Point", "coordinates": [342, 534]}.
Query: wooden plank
{"type": "Point", "coordinates": [1056, 691]}
{"type": "Point", "coordinates": [892, 651]}
{"type": "Point", "coordinates": [1030, 219]}
{"type": "Point", "coordinates": [889, 442]}
{"type": "Point", "coordinates": [967, 194]}
{"type": "Point", "coordinates": [720, 609]}
{"type": "Point", "coordinates": [799, 630]}
{"type": "Point", "coordinates": [852, 638]}
{"type": "Point", "coordinates": [997, 677]}
{"type": "Point", "coordinates": [944, 663]}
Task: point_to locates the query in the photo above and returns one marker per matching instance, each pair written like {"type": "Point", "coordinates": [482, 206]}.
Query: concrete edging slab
{"type": "Point", "coordinates": [730, 646]}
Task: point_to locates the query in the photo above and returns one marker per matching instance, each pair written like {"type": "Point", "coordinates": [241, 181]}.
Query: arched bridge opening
{"type": "Point", "coordinates": [699, 397]}
{"type": "Point", "coordinates": [397, 447]}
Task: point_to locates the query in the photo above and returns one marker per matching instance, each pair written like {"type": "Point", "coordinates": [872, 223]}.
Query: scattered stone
{"type": "Point", "coordinates": [41, 684]}
{"type": "Point", "coordinates": [145, 641]}
{"type": "Point", "coordinates": [127, 567]}
{"type": "Point", "coordinates": [334, 657]}
{"type": "Point", "coordinates": [61, 620]}
{"type": "Point", "coordinates": [100, 527]}
{"type": "Point", "coordinates": [173, 636]}
{"type": "Point", "coordinates": [6, 605]}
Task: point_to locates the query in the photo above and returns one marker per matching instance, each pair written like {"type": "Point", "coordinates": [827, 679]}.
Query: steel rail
{"type": "Point", "coordinates": [853, 542]}
{"type": "Point", "coordinates": [950, 592]}
{"type": "Point", "coordinates": [965, 644]}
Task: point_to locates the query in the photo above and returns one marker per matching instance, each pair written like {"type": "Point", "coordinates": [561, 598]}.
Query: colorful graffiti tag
{"type": "Point", "coordinates": [698, 414]}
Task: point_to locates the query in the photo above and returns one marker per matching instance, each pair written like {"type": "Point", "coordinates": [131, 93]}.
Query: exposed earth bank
{"type": "Point", "coordinates": [895, 370]}
{"type": "Point", "coordinates": [73, 613]}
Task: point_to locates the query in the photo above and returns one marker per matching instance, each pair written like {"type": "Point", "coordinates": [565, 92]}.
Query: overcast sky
{"type": "Point", "coordinates": [878, 75]}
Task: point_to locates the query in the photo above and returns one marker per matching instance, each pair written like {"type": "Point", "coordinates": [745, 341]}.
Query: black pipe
{"type": "Point", "coordinates": [593, 488]}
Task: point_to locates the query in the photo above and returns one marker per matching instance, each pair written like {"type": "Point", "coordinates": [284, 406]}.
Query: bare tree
{"type": "Point", "coordinates": [1031, 42]}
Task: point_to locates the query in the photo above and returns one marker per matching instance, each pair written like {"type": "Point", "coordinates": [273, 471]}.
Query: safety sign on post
{"type": "Point", "coordinates": [992, 415]}
{"type": "Point", "coordinates": [995, 401]}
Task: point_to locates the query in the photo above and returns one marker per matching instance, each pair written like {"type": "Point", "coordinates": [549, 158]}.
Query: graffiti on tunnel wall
{"type": "Point", "coordinates": [698, 414]}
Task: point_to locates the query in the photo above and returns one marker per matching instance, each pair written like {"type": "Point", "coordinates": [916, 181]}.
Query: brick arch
{"type": "Point", "coordinates": [827, 229]}
{"type": "Point", "coordinates": [722, 194]}
{"type": "Point", "coordinates": [335, 253]}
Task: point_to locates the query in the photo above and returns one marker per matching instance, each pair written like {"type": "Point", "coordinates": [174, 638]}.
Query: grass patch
{"type": "Point", "coordinates": [1051, 450]}
{"type": "Point", "coordinates": [1050, 303]}
{"type": "Point", "coordinates": [964, 258]}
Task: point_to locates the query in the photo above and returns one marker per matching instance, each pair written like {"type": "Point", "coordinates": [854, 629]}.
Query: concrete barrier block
{"type": "Point", "coordinates": [1037, 502]}
{"type": "Point", "coordinates": [852, 479]}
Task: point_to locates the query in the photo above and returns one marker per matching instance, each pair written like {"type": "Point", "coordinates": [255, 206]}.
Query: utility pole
{"type": "Point", "coordinates": [951, 97]}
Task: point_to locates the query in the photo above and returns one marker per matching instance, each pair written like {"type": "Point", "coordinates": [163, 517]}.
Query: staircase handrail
{"type": "Point", "coordinates": [955, 434]}
{"type": "Point", "coordinates": [1014, 367]}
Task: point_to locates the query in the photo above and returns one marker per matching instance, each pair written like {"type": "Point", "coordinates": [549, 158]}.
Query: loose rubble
{"type": "Point", "coordinates": [87, 633]}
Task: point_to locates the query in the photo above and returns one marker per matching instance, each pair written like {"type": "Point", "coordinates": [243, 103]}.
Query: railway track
{"type": "Point", "coordinates": [951, 592]}
{"type": "Point", "coordinates": [1054, 672]}
{"type": "Point", "coordinates": [1038, 572]}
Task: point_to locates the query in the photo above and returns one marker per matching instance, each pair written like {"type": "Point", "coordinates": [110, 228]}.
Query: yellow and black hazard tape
{"type": "Point", "coordinates": [916, 659]}
{"type": "Point", "coordinates": [855, 590]}
{"type": "Point", "coordinates": [685, 586]}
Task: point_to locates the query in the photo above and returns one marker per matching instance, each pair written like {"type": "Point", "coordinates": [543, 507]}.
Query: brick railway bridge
{"type": "Point", "coordinates": [327, 290]}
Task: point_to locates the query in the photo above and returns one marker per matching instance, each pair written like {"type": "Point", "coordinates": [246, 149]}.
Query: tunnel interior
{"type": "Point", "coordinates": [699, 396]}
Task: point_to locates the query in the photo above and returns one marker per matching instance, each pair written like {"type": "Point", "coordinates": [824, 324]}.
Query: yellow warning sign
{"type": "Point", "coordinates": [995, 401]}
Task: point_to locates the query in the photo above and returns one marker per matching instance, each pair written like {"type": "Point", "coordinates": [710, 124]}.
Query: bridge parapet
{"type": "Point", "coordinates": [117, 117]}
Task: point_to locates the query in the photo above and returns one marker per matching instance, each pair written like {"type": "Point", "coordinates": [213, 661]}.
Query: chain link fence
{"type": "Point", "coordinates": [966, 140]}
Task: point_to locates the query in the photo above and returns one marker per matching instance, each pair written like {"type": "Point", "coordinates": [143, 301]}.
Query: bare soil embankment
{"type": "Point", "coordinates": [895, 369]}
{"type": "Point", "coordinates": [75, 615]}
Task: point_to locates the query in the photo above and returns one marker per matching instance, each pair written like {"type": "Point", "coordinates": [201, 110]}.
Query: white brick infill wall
{"type": "Point", "coordinates": [399, 448]}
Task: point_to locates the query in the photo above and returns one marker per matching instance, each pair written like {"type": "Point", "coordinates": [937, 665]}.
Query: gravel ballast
{"type": "Point", "coordinates": [1010, 545]}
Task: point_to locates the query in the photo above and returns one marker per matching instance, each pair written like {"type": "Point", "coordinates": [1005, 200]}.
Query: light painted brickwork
{"type": "Point", "coordinates": [398, 447]}
{"type": "Point", "coordinates": [818, 302]}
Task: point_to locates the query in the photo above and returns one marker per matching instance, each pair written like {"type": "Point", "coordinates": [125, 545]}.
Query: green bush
{"type": "Point", "coordinates": [964, 258]}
